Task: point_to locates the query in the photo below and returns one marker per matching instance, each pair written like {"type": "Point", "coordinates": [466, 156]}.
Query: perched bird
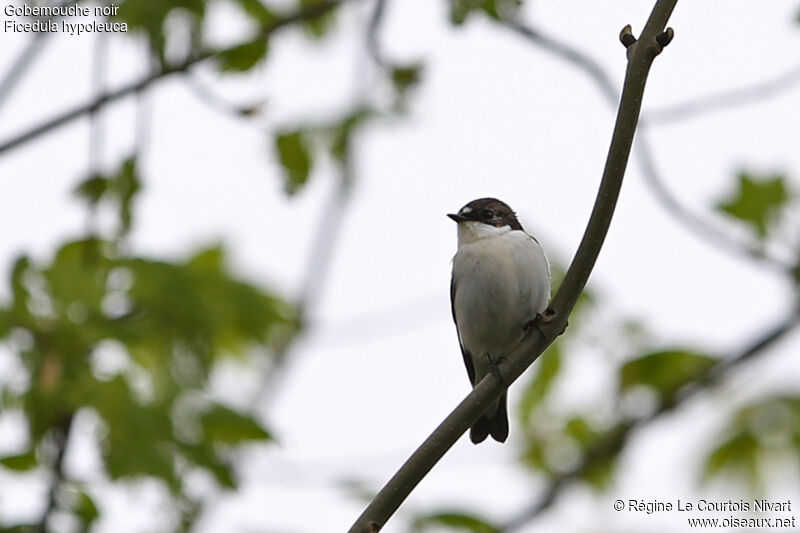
{"type": "Point", "coordinates": [500, 283]}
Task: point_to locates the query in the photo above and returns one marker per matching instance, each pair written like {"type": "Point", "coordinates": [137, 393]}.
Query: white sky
{"type": "Point", "coordinates": [494, 116]}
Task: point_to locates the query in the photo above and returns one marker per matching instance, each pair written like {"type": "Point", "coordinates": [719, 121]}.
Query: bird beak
{"type": "Point", "coordinates": [457, 218]}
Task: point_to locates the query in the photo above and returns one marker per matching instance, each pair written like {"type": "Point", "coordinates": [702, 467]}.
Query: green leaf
{"type": "Point", "coordinates": [138, 438]}
{"type": "Point", "coordinates": [92, 188]}
{"type": "Point", "coordinates": [86, 509]}
{"type": "Point", "coordinates": [405, 77]}
{"type": "Point", "coordinates": [119, 189]}
{"type": "Point", "coordinates": [21, 462]}
{"type": "Point", "coordinates": [737, 456]}
{"type": "Point", "coordinates": [295, 156]}
{"type": "Point", "coordinates": [204, 456]}
{"type": "Point", "coordinates": [343, 130]}
{"type": "Point", "coordinates": [224, 425]}
{"type": "Point", "coordinates": [256, 10]}
{"type": "Point", "coordinates": [545, 372]}
{"type": "Point", "coordinates": [243, 57]}
{"type": "Point", "coordinates": [318, 26]}
{"type": "Point", "coordinates": [666, 371]}
{"type": "Point", "coordinates": [149, 16]}
{"type": "Point", "coordinates": [600, 474]}
{"type": "Point", "coordinates": [460, 10]}
{"type": "Point", "coordinates": [758, 201]}
{"type": "Point", "coordinates": [455, 520]}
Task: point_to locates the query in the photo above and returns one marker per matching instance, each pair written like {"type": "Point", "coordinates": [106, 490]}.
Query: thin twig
{"type": "Point", "coordinates": [373, 28]}
{"type": "Point", "coordinates": [653, 178]}
{"type": "Point", "coordinates": [724, 100]}
{"type": "Point", "coordinates": [696, 224]}
{"type": "Point", "coordinates": [26, 58]}
{"type": "Point", "coordinates": [391, 496]}
{"type": "Point", "coordinates": [310, 12]}
{"type": "Point", "coordinates": [217, 102]}
{"type": "Point", "coordinates": [60, 435]}
{"type": "Point", "coordinates": [570, 54]}
{"type": "Point", "coordinates": [616, 441]}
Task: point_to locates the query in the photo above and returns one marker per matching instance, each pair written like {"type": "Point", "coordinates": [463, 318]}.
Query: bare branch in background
{"type": "Point", "coordinates": [324, 243]}
{"type": "Point", "coordinates": [696, 224]}
{"type": "Point", "coordinates": [570, 54]}
{"type": "Point", "coordinates": [373, 28]}
{"type": "Point", "coordinates": [60, 435]}
{"type": "Point", "coordinates": [640, 59]}
{"type": "Point", "coordinates": [310, 12]}
{"type": "Point", "coordinates": [616, 441]}
{"type": "Point", "coordinates": [218, 103]}
{"type": "Point", "coordinates": [716, 237]}
{"type": "Point", "coordinates": [26, 59]}
{"type": "Point", "coordinates": [724, 100]}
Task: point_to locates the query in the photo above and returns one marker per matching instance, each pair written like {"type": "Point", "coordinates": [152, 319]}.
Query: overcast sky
{"type": "Point", "coordinates": [494, 116]}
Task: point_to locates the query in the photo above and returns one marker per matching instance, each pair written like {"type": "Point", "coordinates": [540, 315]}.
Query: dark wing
{"type": "Point", "coordinates": [467, 356]}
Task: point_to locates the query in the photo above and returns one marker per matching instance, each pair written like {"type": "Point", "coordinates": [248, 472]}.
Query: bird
{"type": "Point", "coordinates": [500, 283]}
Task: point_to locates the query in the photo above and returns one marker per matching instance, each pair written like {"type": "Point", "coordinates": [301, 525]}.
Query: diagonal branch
{"type": "Point", "coordinates": [310, 12]}
{"type": "Point", "coordinates": [615, 442]}
{"type": "Point", "coordinates": [570, 54]}
{"type": "Point", "coordinates": [640, 58]}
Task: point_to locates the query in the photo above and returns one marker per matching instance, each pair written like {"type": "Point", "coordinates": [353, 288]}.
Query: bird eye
{"type": "Point", "coordinates": [488, 214]}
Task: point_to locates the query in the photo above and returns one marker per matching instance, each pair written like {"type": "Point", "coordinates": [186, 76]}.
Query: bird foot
{"type": "Point", "coordinates": [494, 368]}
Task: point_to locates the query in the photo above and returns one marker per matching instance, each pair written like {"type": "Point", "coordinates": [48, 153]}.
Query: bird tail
{"type": "Point", "coordinates": [495, 425]}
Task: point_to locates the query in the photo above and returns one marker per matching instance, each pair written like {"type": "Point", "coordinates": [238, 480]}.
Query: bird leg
{"type": "Point", "coordinates": [494, 369]}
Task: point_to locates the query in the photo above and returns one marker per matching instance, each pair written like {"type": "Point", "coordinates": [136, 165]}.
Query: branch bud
{"type": "Point", "coordinates": [665, 38]}
{"type": "Point", "coordinates": [626, 36]}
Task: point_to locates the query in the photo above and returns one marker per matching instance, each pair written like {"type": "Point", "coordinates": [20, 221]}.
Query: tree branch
{"type": "Point", "coordinates": [696, 224]}
{"type": "Point", "coordinates": [61, 433]}
{"type": "Point", "coordinates": [311, 12]}
{"type": "Point", "coordinates": [640, 58]}
{"type": "Point", "coordinates": [373, 27]}
{"type": "Point", "coordinates": [724, 99]}
{"type": "Point", "coordinates": [615, 442]}
{"type": "Point", "coordinates": [653, 179]}
{"type": "Point", "coordinates": [570, 54]}
{"type": "Point", "coordinates": [26, 58]}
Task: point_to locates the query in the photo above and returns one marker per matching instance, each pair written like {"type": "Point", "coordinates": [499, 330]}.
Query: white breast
{"type": "Point", "coordinates": [502, 280]}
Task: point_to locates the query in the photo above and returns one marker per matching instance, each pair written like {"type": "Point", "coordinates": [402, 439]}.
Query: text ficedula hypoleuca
{"type": "Point", "coordinates": [500, 282]}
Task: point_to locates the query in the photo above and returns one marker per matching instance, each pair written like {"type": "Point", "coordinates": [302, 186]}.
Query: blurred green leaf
{"type": "Point", "coordinates": [758, 201]}
{"type": "Point", "coordinates": [92, 188]}
{"type": "Point", "coordinates": [768, 427]}
{"type": "Point", "coordinates": [737, 456]}
{"type": "Point", "coordinates": [406, 77]}
{"type": "Point", "coordinates": [221, 424]}
{"type": "Point", "coordinates": [21, 462]}
{"type": "Point", "coordinates": [119, 189]}
{"type": "Point", "coordinates": [544, 373]}
{"type": "Point", "coordinates": [203, 455]}
{"type": "Point", "coordinates": [459, 521]}
{"type": "Point", "coordinates": [148, 17]}
{"type": "Point", "coordinates": [581, 431]}
{"type": "Point", "coordinates": [256, 10]}
{"type": "Point", "coordinates": [460, 10]}
{"type": "Point", "coordinates": [318, 26]}
{"type": "Point", "coordinates": [243, 57]}
{"type": "Point", "coordinates": [86, 510]}
{"type": "Point", "coordinates": [600, 474]}
{"type": "Point", "coordinates": [294, 154]}
{"type": "Point", "coordinates": [343, 130]}
{"type": "Point", "coordinates": [138, 437]}
{"type": "Point", "coordinates": [666, 371]}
